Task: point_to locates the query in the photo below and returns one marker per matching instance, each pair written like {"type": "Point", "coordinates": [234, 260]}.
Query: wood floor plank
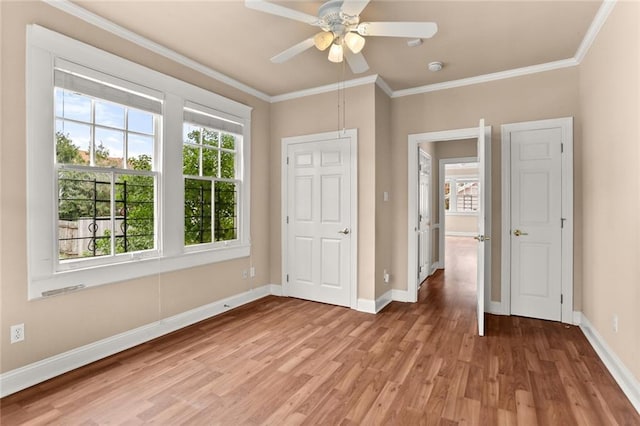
{"type": "Point", "coordinates": [284, 361]}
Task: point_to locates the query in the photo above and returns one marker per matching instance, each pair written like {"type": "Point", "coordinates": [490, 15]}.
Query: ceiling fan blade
{"type": "Point", "coordinates": [293, 51]}
{"type": "Point", "coordinates": [356, 62]}
{"type": "Point", "coordinates": [398, 29]}
{"type": "Point", "coordinates": [276, 9]}
{"type": "Point", "coordinates": [354, 7]}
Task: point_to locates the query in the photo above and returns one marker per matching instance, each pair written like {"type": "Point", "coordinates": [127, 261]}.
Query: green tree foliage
{"type": "Point", "coordinates": [203, 154]}
{"type": "Point", "coordinates": [88, 195]}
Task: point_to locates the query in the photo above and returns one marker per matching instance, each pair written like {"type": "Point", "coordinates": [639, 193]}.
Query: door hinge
{"type": "Point", "coordinates": [561, 299]}
{"type": "Point", "coordinates": [287, 160]}
{"type": "Point", "coordinates": [287, 219]}
{"type": "Point", "coordinates": [561, 148]}
{"type": "Point", "coordinates": [287, 277]}
{"type": "Point", "coordinates": [562, 219]}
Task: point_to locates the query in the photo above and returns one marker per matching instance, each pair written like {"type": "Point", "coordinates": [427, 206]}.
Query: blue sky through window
{"type": "Point", "coordinates": [74, 119]}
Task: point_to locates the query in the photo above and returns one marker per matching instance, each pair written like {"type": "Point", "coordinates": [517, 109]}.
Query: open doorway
{"type": "Point", "coordinates": [434, 143]}
{"type": "Point", "coordinates": [459, 195]}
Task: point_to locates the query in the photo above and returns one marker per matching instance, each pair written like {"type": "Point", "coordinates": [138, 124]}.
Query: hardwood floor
{"type": "Point", "coordinates": [289, 361]}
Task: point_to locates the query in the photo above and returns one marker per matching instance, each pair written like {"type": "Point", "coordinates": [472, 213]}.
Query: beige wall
{"type": "Point", "coordinates": [609, 95]}
{"type": "Point", "coordinates": [318, 114]}
{"type": "Point", "coordinates": [58, 324]}
{"type": "Point", "coordinates": [540, 96]}
{"type": "Point", "coordinates": [383, 184]}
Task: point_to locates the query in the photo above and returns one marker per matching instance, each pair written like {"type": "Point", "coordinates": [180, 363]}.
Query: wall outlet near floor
{"type": "Point", "coordinates": [614, 323]}
{"type": "Point", "coordinates": [252, 271]}
{"type": "Point", "coordinates": [385, 276]}
{"type": "Point", "coordinates": [17, 333]}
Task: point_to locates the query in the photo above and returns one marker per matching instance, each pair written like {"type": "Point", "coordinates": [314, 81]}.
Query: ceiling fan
{"type": "Point", "coordinates": [340, 23]}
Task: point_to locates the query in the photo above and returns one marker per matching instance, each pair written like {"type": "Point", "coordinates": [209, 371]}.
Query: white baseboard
{"type": "Point", "coordinates": [399, 295]}
{"type": "Point", "coordinates": [577, 317]}
{"type": "Point", "coordinates": [494, 308]}
{"type": "Point", "coordinates": [384, 300]}
{"type": "Point", "coordinates": [29, 375]}
{"type": "Point", "coordinates": [276, 289]}
{"type": "Point", "coordinates": [622, 375]}
{"type": "Point", "coordinates": [366, 305]}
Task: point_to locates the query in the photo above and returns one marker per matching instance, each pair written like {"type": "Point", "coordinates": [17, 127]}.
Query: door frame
{"type": "Point", "coordinates": [442, 259]}
{"type": "Point", "coordinates": [352, 135]}
{"type": "Point", "coordinates": [566, 124]}
{"type": "Point", "coordinates": [412, 195]}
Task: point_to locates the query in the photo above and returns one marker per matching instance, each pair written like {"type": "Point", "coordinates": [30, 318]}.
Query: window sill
{"type": "Point", "coordinates": [136, 268]}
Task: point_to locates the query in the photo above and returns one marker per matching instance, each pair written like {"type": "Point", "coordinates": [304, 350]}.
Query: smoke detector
{"type": "Point", "coordinates": [435, 66]}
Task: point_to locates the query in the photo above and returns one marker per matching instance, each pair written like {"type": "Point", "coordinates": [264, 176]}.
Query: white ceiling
{"type": "Point", "coordinates": [474, 38]}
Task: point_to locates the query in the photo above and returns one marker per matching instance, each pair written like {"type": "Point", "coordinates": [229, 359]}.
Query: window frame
{"type": "Point", "coordinates": [45, 50]}
{"type": "Point", "coordinates": [236, 180]}
{"type": "Point", "coordinates": [453, 199]}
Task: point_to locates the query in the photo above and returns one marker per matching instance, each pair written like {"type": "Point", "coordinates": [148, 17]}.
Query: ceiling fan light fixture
{"type": "Point", "coordinates": [354, 41]}
{"type": "Point", "coordinates": [336, 53]}
{"type": "Point", "coordinates": [323, 40]}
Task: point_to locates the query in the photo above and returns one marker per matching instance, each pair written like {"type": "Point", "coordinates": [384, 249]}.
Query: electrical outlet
{"type": "Point", "coordinates": [252, 271]}
{"type": "Point", "coordinates": [17, 333]}
{"type": "Point", "coordinates": [385, 276]}
{"type": "Point", "coordinates": [615, 323]}
{"type": "Point", "coordinates": [245, 274]}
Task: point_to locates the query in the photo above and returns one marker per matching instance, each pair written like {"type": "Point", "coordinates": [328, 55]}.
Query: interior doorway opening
{"type": "Point", "coordinates": [425, 142]}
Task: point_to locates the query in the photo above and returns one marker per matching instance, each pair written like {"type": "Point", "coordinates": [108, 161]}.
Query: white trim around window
{"type": "Point", "coordinates": [47, 50]}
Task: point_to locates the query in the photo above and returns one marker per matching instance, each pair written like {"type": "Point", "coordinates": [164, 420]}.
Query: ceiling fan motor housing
{"type": "Point", "coordinates": [333, 19]}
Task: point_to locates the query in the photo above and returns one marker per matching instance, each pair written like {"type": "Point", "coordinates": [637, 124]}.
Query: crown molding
{"type": "Point", "coordinates": [91, 18]}
{"type": "Point", "coordinates": [596, 25]}
{"type": "Point", "coordinates": [370, 79]}
{"type": "Point", "coordinates": [518, 72]}
{"type": "Point", "coordinates": [100, 22]}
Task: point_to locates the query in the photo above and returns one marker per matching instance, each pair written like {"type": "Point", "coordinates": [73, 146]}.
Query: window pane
{"type": "Point", "coordinates": [197, 211]}
{"type": "Point", "coordinates": [73, 106]}
{"type": "Point", "coordinates": [190, 160]}
{"type": "Point", "coordinates": [228, 141]}
{"type": "Point", "coordinates": [109, 148]}
{"type": "Point", "coordinates": [210, 162]}
{"type": "Point", "coordinates": [134, 226]}
{"type": "Point", "coordinates": [191, 133]}
{"type": "Point", "coordinates": [140, 152]}
{"type": "Point", "coordinates": [108, 114]}
{"type": "Point", "coordinates": [84, 214]}
{"type": "Point", "coordinates": [228, 166]}
{"type": "Point", "coordinates": [209, 137]}
{"type": "Point", "coordinates": [72, 142]}
{"type": "Point", "coordinates": [467, 196]}
{"type": "Point", "coordinates": [225, 214]}
{"type": "Point", "coordinates": [140, 121]}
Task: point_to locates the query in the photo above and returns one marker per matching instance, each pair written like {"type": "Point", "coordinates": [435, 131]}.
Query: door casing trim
{"type": "Point", "coordinates": [352, 135]}
{"type": "Point", "coordinates": [412, 195]}
{"type": "Point", "coordinates": [566, 124]}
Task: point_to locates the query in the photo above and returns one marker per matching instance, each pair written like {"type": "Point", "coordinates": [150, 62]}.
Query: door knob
{"type": "Point", "coordinates": [518, 232]}
{"type": "Point", "coordinates": [345, 231]}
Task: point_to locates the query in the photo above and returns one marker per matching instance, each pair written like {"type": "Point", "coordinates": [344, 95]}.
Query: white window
{"type": "Point", "coordinates": [106, 177]}
{"type": "Point", "coordinates": [109, 193]}
{"type": "Point", "coordinates": [211, 179]}
{"type": "Point", "coordinates": [461, 195]}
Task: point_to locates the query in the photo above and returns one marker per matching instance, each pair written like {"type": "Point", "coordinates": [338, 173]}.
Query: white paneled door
{"type": "Point", "coordinates": [319, 230]}
{"type": "Point", "coordinates": [424, 215]}
{"type": "Point", "coordinates": [536, 223]}
{"type": "Point", "coordinates": [482, 236]}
